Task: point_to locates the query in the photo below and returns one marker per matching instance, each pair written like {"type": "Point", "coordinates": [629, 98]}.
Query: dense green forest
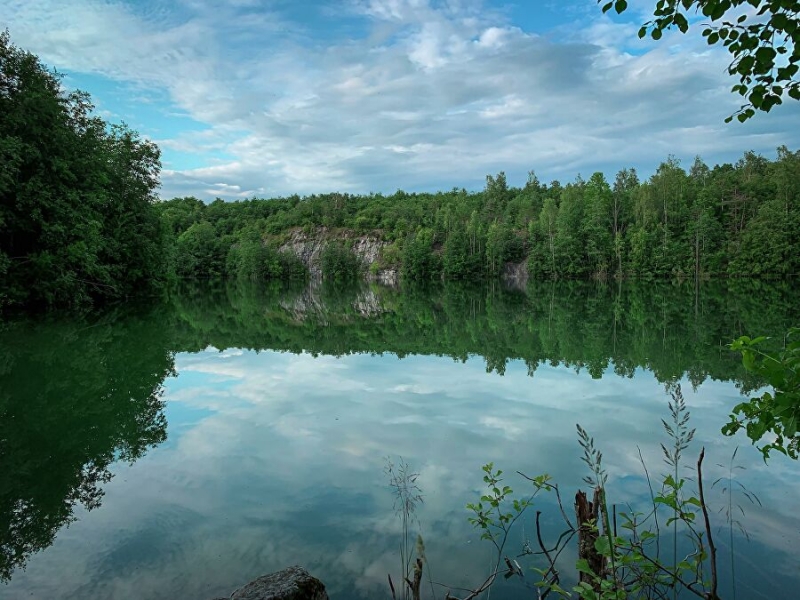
{"type": "Point", "coordinates": [80, 221]}
{"type": "Point", "coordinates": [730, 220]}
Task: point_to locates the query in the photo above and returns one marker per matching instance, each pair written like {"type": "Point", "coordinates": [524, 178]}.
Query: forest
{"type": "Point", "coordinates": [730, 220]}
{"type": "Point", "coordinates": [81, 222]}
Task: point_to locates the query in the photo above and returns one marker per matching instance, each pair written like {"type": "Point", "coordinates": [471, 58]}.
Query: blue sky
{"type": "Point", "coordinates": [275, 97]}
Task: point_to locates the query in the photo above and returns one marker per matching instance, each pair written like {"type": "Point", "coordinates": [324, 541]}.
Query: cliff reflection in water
{"type": "Point", "coordinates": [673, 330]}
{"type": "Point", "coordinates": [77, 395]}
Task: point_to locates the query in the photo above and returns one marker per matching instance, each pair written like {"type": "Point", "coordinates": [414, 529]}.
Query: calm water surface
{"type": "Point", "coordinates": [183, 449]}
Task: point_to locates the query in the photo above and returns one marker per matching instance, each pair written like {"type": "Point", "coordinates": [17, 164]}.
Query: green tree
{"type": "Point", "coordinates": [419, 261]}
{"type": "Point", "coordinates": [198, 252]}
{"type": "Point", "coordinates": [339, 263]}
{"type": "Point", "coordinates": [570, 239]}
{"type": "Point", "coordinates": [498, 247]}
{"type": "Point", "coordinates": [625, 183]}
{"type": "Point", "coordinates": [544, 234]}
{"type": "Point", "coordinates": [763, 46]}
{"type": "Point", "coordinates": [76, 217]}
{"type": "Point", "coordinates": [597, 224]}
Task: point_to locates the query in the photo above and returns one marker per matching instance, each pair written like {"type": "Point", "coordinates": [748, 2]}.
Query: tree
{"type": "Point", "coordinates": [597, 224]}
{"type": "Point", "coordinates": [76, 217]}
{"type": "Point", "coordinates": [763, 45]}
{"type": "Point", "coordinates": [626, 181]}
{"type": "Point", "coordinates": [570, 240]}
{"type": "Point", "coordinates": [198, 252]}
{"type": "Point", "coordinates": [546, 231]}
{"type": "Point", "coordinates": [419, 261]}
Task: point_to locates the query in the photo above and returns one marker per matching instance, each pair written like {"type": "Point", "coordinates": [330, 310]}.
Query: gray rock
{"type": "Point", "coordinates": [293, 583]}
{"type": "Point", "coordinates": [308, 247]}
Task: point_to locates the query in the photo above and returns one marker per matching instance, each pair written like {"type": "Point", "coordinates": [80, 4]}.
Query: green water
{"type": "Point", "coordinates": [180, 449]}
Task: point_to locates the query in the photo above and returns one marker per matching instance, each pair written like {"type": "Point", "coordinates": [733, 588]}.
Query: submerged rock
{"type": "Point", "coordinates": [293, 583]}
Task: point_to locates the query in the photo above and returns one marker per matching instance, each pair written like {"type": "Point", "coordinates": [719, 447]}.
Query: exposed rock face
{"type": "Point", "coordinates": [308, 248]}
{"type": "Point", "coordinates": [293, 583]}
{"type": "Point", "coordinates": [516, 274]}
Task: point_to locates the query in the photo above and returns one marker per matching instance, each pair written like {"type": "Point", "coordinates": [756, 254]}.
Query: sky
{"type": "Point", "coordinates": [277, 97]}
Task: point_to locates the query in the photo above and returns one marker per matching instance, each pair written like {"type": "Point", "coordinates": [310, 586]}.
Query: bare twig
{"type": "Point", "coordinates": [558, 497]}
{"type": "Point", "coordinates": [552, 569]}
{"type": "Point", "coordinates": [711, 548]}
{"type": "Point", "coordinates": [414, 585]}
{"type": "Point", "coordinates": [475, 593]}
{"type": "Point", "coordinates": [587, 514]}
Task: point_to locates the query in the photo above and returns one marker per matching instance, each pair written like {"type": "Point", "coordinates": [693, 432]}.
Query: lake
{"type": "Point", "coordinates": [179, 449]}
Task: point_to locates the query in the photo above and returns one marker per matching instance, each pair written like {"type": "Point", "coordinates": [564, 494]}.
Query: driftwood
{"type": "Point", "coordinates": [587, 514]}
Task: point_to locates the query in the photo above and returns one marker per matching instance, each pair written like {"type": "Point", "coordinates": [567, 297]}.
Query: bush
{"type": "Point", "coordinates": [339, 263]}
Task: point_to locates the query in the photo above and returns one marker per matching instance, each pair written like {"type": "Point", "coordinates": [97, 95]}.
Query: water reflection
{"type": "Point", "coordinates": [276, 445]}
{"type": "Point", "coordinates": [74, 397]}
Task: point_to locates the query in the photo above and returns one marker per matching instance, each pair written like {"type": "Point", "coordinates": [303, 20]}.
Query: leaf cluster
{"type": "Point", "coordinates": [760, 35]}
{"type": "Point", "coordinates": [774, 414]}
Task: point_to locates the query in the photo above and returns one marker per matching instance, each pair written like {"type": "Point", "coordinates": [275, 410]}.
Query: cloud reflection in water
{"type": "Point", "coordinates": [276, 459]}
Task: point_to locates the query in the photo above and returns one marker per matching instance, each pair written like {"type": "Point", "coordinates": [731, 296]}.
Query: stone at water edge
{"type": "Point", "coordinates": [293, 583]}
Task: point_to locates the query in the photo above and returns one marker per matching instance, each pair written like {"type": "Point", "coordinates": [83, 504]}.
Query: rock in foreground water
{"type": "Point", "coordinates": [293, 583]}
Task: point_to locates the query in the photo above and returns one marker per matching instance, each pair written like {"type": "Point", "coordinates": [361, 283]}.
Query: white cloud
{"type": "Point", "coordinates": [419, 96]}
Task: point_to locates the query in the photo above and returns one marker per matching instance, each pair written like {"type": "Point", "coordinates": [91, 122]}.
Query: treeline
{"type": "Point", "coordinates": [76, 217]}
{"type": "Point", "coordinates": [737, 220]}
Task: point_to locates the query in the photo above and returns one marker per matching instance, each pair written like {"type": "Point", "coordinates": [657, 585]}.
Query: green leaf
{"type": "Point", "coordinates": [765, 55]}
{"type": "Point", "coordinates": [582, 565]}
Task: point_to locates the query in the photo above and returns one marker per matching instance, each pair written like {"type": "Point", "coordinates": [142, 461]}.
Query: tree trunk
{"type": "Point", "coordinates": [587, 514]}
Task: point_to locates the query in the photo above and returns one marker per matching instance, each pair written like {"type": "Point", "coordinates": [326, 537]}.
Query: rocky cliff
{"type": "Point", "coordinates": [308, 247]}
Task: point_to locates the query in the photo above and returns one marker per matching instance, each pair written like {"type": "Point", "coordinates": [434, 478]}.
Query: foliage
{"type": "Point", "coordinates": [760, 35]}
{"type": "Point", "coordinates": [340, 263]}
{"type": "Point", "coordinates": [76, 218]}
{"type": "Point", "coordinates": [628, 564]}
{"type": "Point", "coordinates": [732, 220]}
{"type": "Point", "coordinates": [774, 413]}
{"type": "Point", "coordinates": [199, 252]}
{"type": "Point", "coordinates": [254, 260]}
{"type": "Point", "coordinates": [419, 260]}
